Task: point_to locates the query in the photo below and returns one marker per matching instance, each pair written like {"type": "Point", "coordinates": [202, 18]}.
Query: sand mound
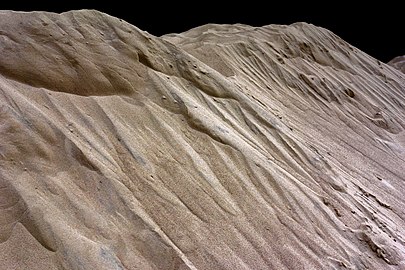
{"type": "Point", "coordinates": [398, 63]}
{"type": "Point", "coordinates": [223, 147]}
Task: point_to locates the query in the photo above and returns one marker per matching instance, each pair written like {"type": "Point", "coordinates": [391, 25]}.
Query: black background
{"type": "Point", "coordinates": [376, 27]}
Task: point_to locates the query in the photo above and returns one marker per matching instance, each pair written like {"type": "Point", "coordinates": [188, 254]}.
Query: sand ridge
{"type": "Point", "coordinates": [223, 147]}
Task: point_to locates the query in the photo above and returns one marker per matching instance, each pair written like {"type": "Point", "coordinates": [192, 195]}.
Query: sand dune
{"type": "Point", "coordinates": [223, 147]}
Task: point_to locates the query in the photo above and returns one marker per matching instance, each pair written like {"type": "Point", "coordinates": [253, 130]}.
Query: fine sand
{"type": "Point", "coordinates": [224, 147]}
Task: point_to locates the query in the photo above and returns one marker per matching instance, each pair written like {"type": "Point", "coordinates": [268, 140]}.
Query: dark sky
{"type": "Point", "coordinates": [377, 28]}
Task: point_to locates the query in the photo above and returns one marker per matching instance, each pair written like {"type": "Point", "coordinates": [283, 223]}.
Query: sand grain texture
{"type": "Point", "coordinates": [223, 147]}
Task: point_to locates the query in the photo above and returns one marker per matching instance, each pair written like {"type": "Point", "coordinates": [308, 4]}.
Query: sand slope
{"type": "Point", "coordinates": [224, 147]}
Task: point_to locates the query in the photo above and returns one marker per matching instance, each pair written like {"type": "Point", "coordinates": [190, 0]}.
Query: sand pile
{"type": "Point", "coordinates": [398, 63]}
{"type": "Point", "coordinates": [224, 147]}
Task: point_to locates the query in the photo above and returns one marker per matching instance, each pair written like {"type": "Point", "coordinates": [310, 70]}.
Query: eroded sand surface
{"type": "Point", "coordinates": [224, 147]}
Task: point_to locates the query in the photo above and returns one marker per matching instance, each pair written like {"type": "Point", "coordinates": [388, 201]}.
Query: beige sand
{"type": "Point", "coordinates": [224, 147]}
{"type": "Point", "coordinates": [398, 63]}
